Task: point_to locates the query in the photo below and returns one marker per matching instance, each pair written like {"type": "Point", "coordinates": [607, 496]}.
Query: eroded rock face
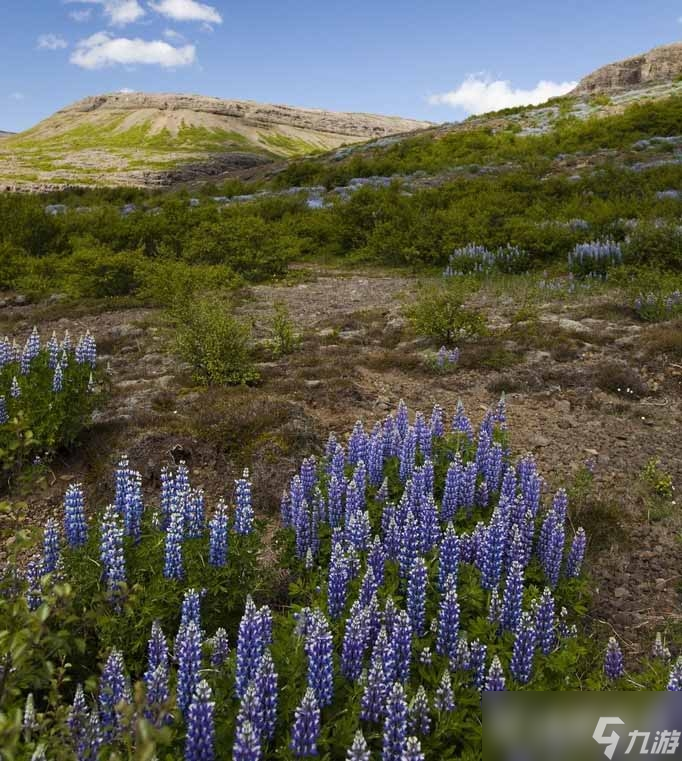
{"type": "Point", "coordinates": [662, 64]}
{"type": "Point", "coordinates": [316, 120]}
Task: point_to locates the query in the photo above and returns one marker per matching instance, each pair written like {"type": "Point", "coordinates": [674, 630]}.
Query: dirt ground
{"type": "Point", "coordinates": [583, 381]}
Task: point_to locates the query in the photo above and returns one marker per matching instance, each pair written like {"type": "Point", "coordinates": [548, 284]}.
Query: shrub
{"type": "Point", "coordinates": [478, 259]}
{"type": "Point", "coordinates": [47, 394]}
{"type": "Point", "coordinates": [439, 314]}
{"type": "Point", "coordinates": [216, 344]}
{"type": "Point", "coordinates": [594, 259]}
{"type": "Point", "coordinates": [285, 339]}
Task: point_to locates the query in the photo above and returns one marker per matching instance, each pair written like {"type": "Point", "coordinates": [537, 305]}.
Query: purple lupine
{"type": "Point", "coordinates": [4, 415]}
{"type": "Point", "coordinates": [675, 678]}
{"type": "Point", "coordinates": [659, 650]}
{"type": "Point", "coordinates": [402, 419]}
{"type": "Point", "coordinates": [467, 487]}
{"type": "Point", "coordinates": [75, 526]}
{"type": "Point", "coordinates": [191, 607]}
{"type": "Point", "coordinates": [493, 551]}
{"type": "Point", "coordinates": [358, 750]}
{"type": "Point", "coordinates": [461, 423]}
{"type": "Point", "coordinates": [335, 501]}
{"type": "Point", "coordinates": [376, 459]}
{"type": "Point", "coordinates": [285, 509]}
{"type": "Point", "coordinates": [220, 647]}
{"type": "Point", "coordinates": [157, 694]}
{"type": "Point", "coordinates": [523, 653]}
{"type": "Point", "coordinates": [338, 464]}
{"type": "Point", "coordinates": [402, 645]}
{"type": "Point", "coordinates": [368, 587]}
{"type": "Point", "coordinates": [614, 666]}
{"type": "Point", "coordinates": [359, 530]}
{"type": "Point", "coordinates": [410, 544]}
{"type": "Point", "coordinates": [52, 347]}
{"type": "Point", "coordinates": [77, 721]}
{"type": "Point", "coordinates": [200, 740]}
{"type": "Point", "coordinates": [545, 622]}
{"type": "Point", "coordinates": [252, 640]}
{"type": "Point", "coordinates": [394, 741]}
{"type": "Point", "coordinates": [319, 648]}
{"type": "Point", "coordinates": [243, 518]}
{"type": "Point", "coordinates": [337, 585]}
{"type": "Point", "coordinates": [251, 709]}
{"type": "Point", "coordinates": [494, 607]}
{"type": "Point", "coordinates": [33, 574]}
{"type": "Point", "coordinates": [413, 750]}
{"type": "Point", "coordinates": [576, 554]}
{"type": "Point", "coordinates": [416, 595]}
{"type": "Point", "coordinates": [428, 520]}
{"type": "Point", "coordinates": [308, 476]}
{"type": "Point", "coordinates": [495, 681]}
{"type": "Point", "coordinates": [218, 536]}
{"type": "Point", "coordinates": [266, 687]}
{"type": "Point", "coordinates": [188, 655]}
{"type": "Point", "coordinates": [437, 422]}
{"type": "Point", "coordinates": [173, 566]}
{"type": "Point", "coordinates": [51, 546]}
{"type": "Point", "coordinates": [419, 713]}
{"type": "Point", "coordinates": [133, 506]}
{"type": "Point", "coordinates": [444, 699]}
{"type": "Point", "coordinates": [376, 560]}
{"type": "Point", "coordinates": [508, 488]}
{"type": "Point", "coordinates": [408, 453]}
{"type": "Point", "coordinates": [306, 729]}
{"type": "Point", "coordinates": [478, 653]}
{"type": "Point", "coordinates": [111, 554]}
{"type": "Point", "coordinates": [357, 444]}
{"type": "Point", "coordinates": [194, 514]}
{"type": "Point", "coordinates": [554, 553]}
{"type": "Point", "coordinates": [356, 636]}
{"type": "Point", "coordinates": [448, 557]}
{"type": "Point", "coordinates": [157, 648]}
{"type": "Point", "coordinates": [113, 690]}
{"type": "Point", "coordinates": [58, 379]}
{"type": "Point", "coordinates": [246, 744]}
{"type": "Point", "coordinates": [513, 598]}
{"type": "Point", "coordinates": [448, 621]}
{"type": "Point", "coordinates": [15, 388]}
{"type": "Point", "coordinates": [374, 693]}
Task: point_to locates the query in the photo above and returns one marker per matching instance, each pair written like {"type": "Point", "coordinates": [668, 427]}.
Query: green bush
{"type": "Point", "coordinates": [285, 339]}
{"type": "Point", "coordinates": [216, 344]}
{"type": "Point", "coordinates": [439, 314]}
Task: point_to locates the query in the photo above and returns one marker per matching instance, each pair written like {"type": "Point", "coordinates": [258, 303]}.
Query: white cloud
{"type": "Point", "coordinates": [17, 96]}
{"type": "Point", "coordinates": [82, 15]}
{"type": "Point", "coordinates": [101, 50]}
{"type": "Point", "coordinates": [480, 93]}
{"type": "Point", "coordinates": [171, 34]}
{"type": "Point", "coordinates": [51, 42]}
{"type": "Point", "coordinates": [187, 10]}
{"type": "Point", "coordinates": [119, 12]}
{"type": "Point", "coordinates": [126, 91]}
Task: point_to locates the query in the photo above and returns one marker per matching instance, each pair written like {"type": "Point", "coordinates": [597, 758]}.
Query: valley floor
{"type": "Point", "coordinates": [585, 381]}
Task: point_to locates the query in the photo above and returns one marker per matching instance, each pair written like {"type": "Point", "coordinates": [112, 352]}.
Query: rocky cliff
{"type": "Point", "coordinates": [662, 64]}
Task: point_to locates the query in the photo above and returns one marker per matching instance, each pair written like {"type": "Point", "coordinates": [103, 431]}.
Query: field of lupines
{"type": "Point", "coordinates": [47, 393]}
{"type": "Point", "coordinates": [423, 567]}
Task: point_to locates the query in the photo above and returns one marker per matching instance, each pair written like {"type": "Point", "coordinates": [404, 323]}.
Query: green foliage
{"type": "Point", "coordinates": [285, 339]}
{"type": "Point", "coordinates": [654, 244]}
{"type": "Point", "coordinates": [42, 421]}
{"type": "Point", "coordinates": [439, 314]}
{"type": "Point", "coordinates": [216, 344]}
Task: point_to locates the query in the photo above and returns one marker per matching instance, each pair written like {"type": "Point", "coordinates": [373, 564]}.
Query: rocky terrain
{"type": "Point", "coordinates": [662, 64]}
{"type": "Point", "coordinates": [146, 139]}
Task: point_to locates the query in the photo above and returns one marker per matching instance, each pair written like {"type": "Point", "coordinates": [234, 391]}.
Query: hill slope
{"type": "Point", "coordinates": [132, 138]}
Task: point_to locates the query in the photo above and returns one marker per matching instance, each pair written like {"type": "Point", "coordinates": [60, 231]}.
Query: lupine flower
{"type": "Point", "coordinates": [419, 713]}
{"type": "Point", "coordinates": [194, 514]}
{"type": "Point", "coordinates": [246, 744]}
{"type": "Point", "coordinates": [478, 653]}
{"type": "Point", "coordinates": [200, 740]}
{"type": "Point", "coordinates": [75, 526]}
{"type": "Point", "coordinates": [413, 750]}
{"type": "Point", "coordinates": [57, 379]}
{"type": "Point", "coordinates": [306, 728]}
{"type": "Point", "coordinates": [220, 648]}
{"type": "Point", "coordinates": [243, 519]}
{"type": "Point", "coordinates": [461, 423]}
{"type": "Point", "coordinates": [495, 681]}
{"type": "Point", "coordinates": [15, 388]}
{"type": "Point", "coordinates": [395, 725]}
{"type": "Point", "coordinates": [266, 687]}
{"type": "Point", "coordinates": [576, 554]}
{"type": "Point", "coordinates": [51, 546]}
{"type": "Point", "coordinates": [614, 667]}
{"type": "Point", "coordinates": [319, 648]}
{"type": "Point", "coordinates": [445, 697]}
{"type": "Point", "coordinates": [251, 643]}
{"type": "Point", "coordinates": [374, 693]}
{"type": "Point", "coordinates": [4, 416]}
{"type": "Point", "coordinates": [77, 722]}
{"type": "Point", "coordinates": [448, 621]}
{"type": "Point", "coordinates": [416, 596]}
{"type": "Point", "coordinates": [675, 680]}
{"type": "Point", "coordinates": [545, 624]}
{"type": "Point", "coordinates": [173, 566]}
{"type": "Point", "coordinates": [402, 642]}
{"type": "Point", "coordinates": [521, 665]}
{"type": "Point", "coordinates": [659, 650]}
{"type": "Point", "coordinates": [111, 554]}
{"type": "Point", "coordinates": [358, 751]}
{"type": "Point", "coordinates": [337, 585]}
{"type": "Point", "coordinates": [251, 709]}
{"type": "Point", "coordinates": [33, 575]}
{"type": "Point", "coordinates": [29, 723]}
{"type": "Point", "coordinates": [512, 598]}
{"type": "Point", "coordinates": [188, 655]}
{"type": "Point", "coordinates": [158, 693]}
{"type": "Point", "coordinates": [356, 635]}
{"type": "Point", "coordinates": [113, 689]}
{"type": "Point", "coordinates": [218, 536]}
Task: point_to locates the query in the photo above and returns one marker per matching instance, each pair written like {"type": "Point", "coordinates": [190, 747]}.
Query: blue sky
{"type": "Point", "coordinates": [425, 59]}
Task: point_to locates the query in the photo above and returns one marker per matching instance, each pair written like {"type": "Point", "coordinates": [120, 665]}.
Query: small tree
{"type": "Point", "coordinates": [439, 314]}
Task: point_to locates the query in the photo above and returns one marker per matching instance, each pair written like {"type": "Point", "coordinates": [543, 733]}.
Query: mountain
{"type": "Point", "coordinates": [135, 138]}
{"type": "Point", "coordinates": [660, 65]}
{"type": "Point", "coordinates": [5, 134]}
